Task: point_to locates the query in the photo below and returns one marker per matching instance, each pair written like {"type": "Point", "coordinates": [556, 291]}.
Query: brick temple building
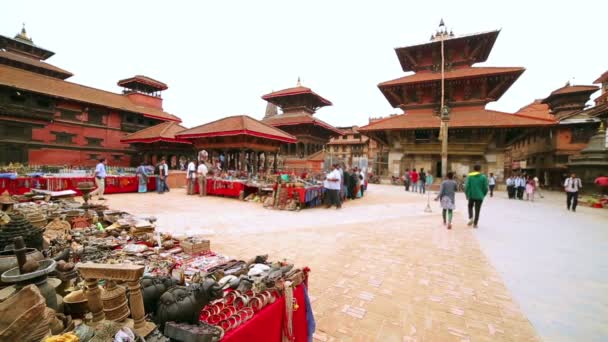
{"type": "Point", "coordinates": [546, 151]}
{"type": "Point", "coordinates": [476, 135]}
{"type": "Point", "coordinates": [47, 120]}
{"type": "Point", "coordinates": [298, 105]}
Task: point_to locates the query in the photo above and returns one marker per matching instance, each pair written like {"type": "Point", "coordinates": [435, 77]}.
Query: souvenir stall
{"type": "Point", "coordinates": [66, 268]}
{"type": "Point", "coordinates": [114, 184]}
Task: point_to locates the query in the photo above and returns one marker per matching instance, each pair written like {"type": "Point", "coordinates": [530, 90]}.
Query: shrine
{"type": "Point", "coordinates": [299, 104]}
{"type": "Point", "coordinates": [47, 120]}
{"type": "Point", "coordinates": [239, 142]}
{"type": "Point", "coordinates": [157, 142]}
{"type": "Point", "coordinates": [476, 135]}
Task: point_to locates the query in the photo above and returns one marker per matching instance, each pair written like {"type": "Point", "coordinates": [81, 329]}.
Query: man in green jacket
{"type": "Point", "coordinates": [476, 189]}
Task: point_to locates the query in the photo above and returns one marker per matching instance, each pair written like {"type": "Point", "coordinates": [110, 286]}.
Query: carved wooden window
{"type": "Point", "coordinates": [422, 135]}
{"type": "Point", "coordinates": [18, 97]}
{"type": "Point", "coordinates": [63, 138]}
{"type": "Point", "coordinates": [15, 132]}
{"type": "Point", "coordinates": [96, 116]}
{"type": "Point", "coordinates": [117, 156]}
{"type": "Point", "coordinates": [68, 114]}
{"type": "Point", "coordinates": [94, 141]}
{"type": "Point", "coordinates": [579, 135]}
{"type": "Point", "coordinates": [94, 156]}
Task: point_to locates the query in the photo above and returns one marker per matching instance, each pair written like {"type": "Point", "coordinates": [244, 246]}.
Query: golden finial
{"type": "Point", "coordinates": [299, 83]}
{"type": "Point", "coordinates": [602, 128]}
{"type": "Point", "coordinates": [23, 34]}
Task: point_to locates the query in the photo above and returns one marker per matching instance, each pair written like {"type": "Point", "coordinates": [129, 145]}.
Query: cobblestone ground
{"type": "Point", "coordinates": [382, 268]}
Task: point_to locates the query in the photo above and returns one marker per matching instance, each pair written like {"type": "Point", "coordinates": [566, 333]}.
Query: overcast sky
{"type": "Point", "coordinates": [220, 57]}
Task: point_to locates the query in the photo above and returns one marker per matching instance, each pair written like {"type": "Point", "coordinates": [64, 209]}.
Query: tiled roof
{"type": "Point", "coordinates": [237, 125]}
{"type": "Point", "coordinates": [569, 89]}
{"type": "Point", "coordinates": [297, 119]}
{"type": "Point", "coordinates": [165, 131]}
{"type": "Point", "coordinates": [425, 76]}
{"type": "Point", "coordinates": [145, 80]}
{"type": "Point", "coordinates": [464, 118]}
{"type": "Point", "coordinates": [602, 78]}
{"type": "Point", "coordinates": [299, 90]}
{"type": "Point", "coordinates": [487, 38]}
{"type": "Point", "coordinates": [17, 58]}
{"type": "Point", "coordinates": [537, 110]}
{"type": "Point", "coordinates": [25, 80]}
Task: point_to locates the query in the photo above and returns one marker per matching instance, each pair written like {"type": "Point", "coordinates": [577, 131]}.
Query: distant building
{"type": "Point", "coordinates": [45, 119]}
{"type": "Point", "coordinates": [352, 148]}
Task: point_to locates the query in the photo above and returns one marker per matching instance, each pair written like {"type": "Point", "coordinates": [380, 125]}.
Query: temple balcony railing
{"type": "Point", "coordinates": [27, 111]}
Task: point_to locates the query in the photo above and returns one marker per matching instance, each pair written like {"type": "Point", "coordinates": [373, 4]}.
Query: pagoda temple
{"type": "Point", "coordinates": [298, 105]}
{"type": "Point", "coordinates": [476, 135]}
{"type": "Point", "coordinates": [47, 120]}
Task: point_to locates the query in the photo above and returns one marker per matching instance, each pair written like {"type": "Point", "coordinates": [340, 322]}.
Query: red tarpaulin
{"type": "Point", "coordinates": [220, 187]}
{"type": "Point", "coordinates": [267, 325]}
{"type": "Point", "coordinates": [114, 184]}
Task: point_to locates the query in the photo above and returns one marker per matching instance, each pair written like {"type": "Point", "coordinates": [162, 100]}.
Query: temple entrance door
{"type": "Point", "coordinates": [438, 170]}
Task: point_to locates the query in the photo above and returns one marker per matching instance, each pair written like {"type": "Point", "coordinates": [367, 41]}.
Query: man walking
{"type": "Point", "coordinates": [100, 179]}
{"type": "Point", "coordinates": [476, 189]}
{"type": "Point", "coordinates": [414, 179]}
{"type": "Point", "coordinates": [202, 178]}
{"type": "Point", "coordinates": [492, 183]}
{"type": "Point", "coordinates": [511, 187]}
{"type": "Point", "coordinates": [537, 187]}
{"type": "Point", "coordinates": [333, 183]}
{"type": "Point", "coordinates": [407, 180]}
{"type": "Point", "coordinates": [163, 173]}
{"type": "Point", "coordinates": [520, 184]}
{"type": "Point", "coordinates": [572, 185]}
{"type": "Point", "coordinates": [422, 181]}
{"type": "Point", "coordinates": [191, 176]}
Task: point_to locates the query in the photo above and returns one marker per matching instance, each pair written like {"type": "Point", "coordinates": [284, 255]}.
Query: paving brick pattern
{"type": "Point", "coordinates": [382, 269]}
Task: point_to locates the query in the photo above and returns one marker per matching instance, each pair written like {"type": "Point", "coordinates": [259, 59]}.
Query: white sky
{"type": "Point", "coordinates": [220, 57]}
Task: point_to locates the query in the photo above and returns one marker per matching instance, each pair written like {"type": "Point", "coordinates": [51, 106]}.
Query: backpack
{"type": "Point", "coordinates": [157, 170]}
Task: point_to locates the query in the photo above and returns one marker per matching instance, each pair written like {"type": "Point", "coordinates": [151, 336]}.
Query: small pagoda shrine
{"type": "Point", "coordinates": [298, 105]}
{"type": "Point", "coordinates": [239, 142]}
{"type": "Point", "coordinates": [593, 159]}
{"type": "Point", "coordinates": [157, 142]}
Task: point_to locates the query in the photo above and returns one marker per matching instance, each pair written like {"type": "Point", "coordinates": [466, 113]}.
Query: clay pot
{"type": "Point", "coordinates": [76, 304]}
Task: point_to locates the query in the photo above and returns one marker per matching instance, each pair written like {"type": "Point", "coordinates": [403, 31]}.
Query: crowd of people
{"type": "Point", "coordinates": [342, 184]}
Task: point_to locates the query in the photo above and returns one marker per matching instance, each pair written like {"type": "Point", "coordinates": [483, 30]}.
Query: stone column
{"type": "Point", "coordinates": [137, 309]}
{"type": "Point", "coordinates": [274, 166]}
{"type": "Point", "coordinates": [94, 300]}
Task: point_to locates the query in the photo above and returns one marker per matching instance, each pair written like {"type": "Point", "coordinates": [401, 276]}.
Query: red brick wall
{"type": "Point", "coordinates": [146, 100]}
{"type": "Point", "coordinates": [55, 156]}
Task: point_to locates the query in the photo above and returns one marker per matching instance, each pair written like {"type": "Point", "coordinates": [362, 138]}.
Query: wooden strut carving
{"type": "Point", "coordinates": [128, 273]}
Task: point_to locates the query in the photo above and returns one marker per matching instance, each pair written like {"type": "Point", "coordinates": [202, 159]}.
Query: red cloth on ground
{"type": "Point", "coordinates": [267, 325]}
{"type": "Point", "coordinates": [602, 181]}
{"type": "Point", "coordinates": [114, 184]}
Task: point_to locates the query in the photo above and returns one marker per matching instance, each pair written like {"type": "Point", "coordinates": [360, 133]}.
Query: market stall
{"type": "Point", "coordinates": [71, 265]}
{"type": "Point", "coordinates": [114, 184]}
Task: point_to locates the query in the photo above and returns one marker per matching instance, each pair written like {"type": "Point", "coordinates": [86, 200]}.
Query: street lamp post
{"type": "Point", "coordinates": [444, 111]}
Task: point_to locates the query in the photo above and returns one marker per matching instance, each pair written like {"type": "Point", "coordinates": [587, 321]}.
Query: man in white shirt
{"type": "Point", "coordinates": [491, 183]}
{"type": "Point", "coordinates": [100, 179]}
{"type": "Point", "coordinates": [332, 185]}
{"type": "Point", "coordinates": [537, 187]}
{"type": "Point", "coordinates": [202, 171]}
{"type": "Point", "coordinates": [363, 184]}
{"type": "Point", "coordinates": [191, 176]}
{"type": "Point", "coordinates": [572, 185]}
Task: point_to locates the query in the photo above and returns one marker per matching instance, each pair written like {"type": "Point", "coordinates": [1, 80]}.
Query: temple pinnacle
{"type": "Point", "coordinates": [299, 84]}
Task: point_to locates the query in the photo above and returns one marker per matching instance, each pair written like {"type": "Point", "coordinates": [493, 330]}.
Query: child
{"type": "Point", "coordinates": [446, 196]}
{"type": "Point", "coordinates": [530, 189]}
